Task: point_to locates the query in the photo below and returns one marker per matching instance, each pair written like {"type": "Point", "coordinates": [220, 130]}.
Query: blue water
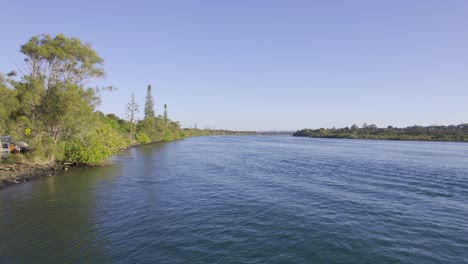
{"type": "Point", "coordinates": [248, 199]}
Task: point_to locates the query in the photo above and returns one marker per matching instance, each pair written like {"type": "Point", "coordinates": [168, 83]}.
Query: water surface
{"type": "Point", "coordinates": [248, 199]}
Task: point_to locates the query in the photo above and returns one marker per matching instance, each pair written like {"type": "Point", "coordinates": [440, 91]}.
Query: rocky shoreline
{"type": "Point", "coordinates": [24, 172]}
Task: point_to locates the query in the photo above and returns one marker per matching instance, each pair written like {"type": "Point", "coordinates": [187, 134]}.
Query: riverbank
{"type": "Point", "coordinates": [24, 172]}
{"type": "Point", "coordinates": [14, 173]}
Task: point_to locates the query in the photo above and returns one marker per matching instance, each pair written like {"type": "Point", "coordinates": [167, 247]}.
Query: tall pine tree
{"type": "Point", "coordinates": [131, 111]}
{"type": "Point", "coordinates": [149, 104]}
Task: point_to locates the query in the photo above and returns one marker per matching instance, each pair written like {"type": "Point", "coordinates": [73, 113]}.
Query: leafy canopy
{"type": "Point", "coordinates": [61, 59]}
{"type": "Point", "coordinates": [52, 94]}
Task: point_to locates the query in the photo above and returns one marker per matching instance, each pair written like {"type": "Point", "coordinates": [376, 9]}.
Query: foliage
{"type": "Point", "coordinates": [61, 60]}
{"type": "Point", "coordinates": [44, 148]}
{"type": "Point", "coordinates": [51, 95]}
{"type": "Point", "coordinates": [95, 147]}
{"type": "Point", "coordinates": [141, 137]}
{"type": "Point", "coordinates": [7, 107]}
{"type": "Point", "coordinates": [149, 103]}
{"type": "Point", "coordinates": [158, 129]}
{"type": "Point", "coordinates": [119, 124]}
{"type": "Point", "coordinates": [51, 108]}
{"type": "Point", "coordinates": [427, 133]}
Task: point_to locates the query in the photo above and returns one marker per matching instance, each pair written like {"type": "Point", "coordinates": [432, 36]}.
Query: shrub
{"type": "Point", "coordinates": [142, 138]}
{"type": "Point", "coordinates": [96, 147]}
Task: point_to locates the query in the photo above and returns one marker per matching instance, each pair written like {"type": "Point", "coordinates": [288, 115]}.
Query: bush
{"type": "Point", "coordinates": [45, 148]}
{"type": "Point", "coordinates": [142, 138]}
{"type": "Point", "coordinates": [96, 147]}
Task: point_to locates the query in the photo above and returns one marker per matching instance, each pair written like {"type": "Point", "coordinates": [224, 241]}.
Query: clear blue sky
{"type": "Point", "coordinates": [259, 65]}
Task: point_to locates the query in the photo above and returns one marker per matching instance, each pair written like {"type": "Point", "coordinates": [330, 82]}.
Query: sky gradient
{"type": "Point", "coordinates": [267, 65]}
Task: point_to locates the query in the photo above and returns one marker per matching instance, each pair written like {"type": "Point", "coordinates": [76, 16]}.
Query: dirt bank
{"type": "Point", "coordinates": [24, 172]}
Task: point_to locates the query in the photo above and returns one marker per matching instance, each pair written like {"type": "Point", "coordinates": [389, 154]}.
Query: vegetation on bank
{"type": "Point", "coordinates": [50, 106]}
{"type": "Point", "coordinates": [427, 133]}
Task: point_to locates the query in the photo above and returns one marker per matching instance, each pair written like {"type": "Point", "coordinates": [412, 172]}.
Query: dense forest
{"type": "Point", "coordinates": [51, 107]}
{"type": "Point", "coordinates": [428, 133]}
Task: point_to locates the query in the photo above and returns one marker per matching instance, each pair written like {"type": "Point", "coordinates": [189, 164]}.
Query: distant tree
{"type": "Point", "coordinates": [165, 112]}
{"type": "Point", "coordinates": [439, 133]}
{"type": "Point", "coordinates": [149, 104]}
{"type": "Point", "coordinates": [131, 111]}
{"type": "Point", "coordinates": [113, 117]}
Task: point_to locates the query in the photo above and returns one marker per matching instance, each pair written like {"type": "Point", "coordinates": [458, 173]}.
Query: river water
{"type": "Point", "coordinates": [248, 199]}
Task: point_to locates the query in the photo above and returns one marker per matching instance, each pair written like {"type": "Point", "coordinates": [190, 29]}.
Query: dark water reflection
{"type": "Point", "coordinates": [52, 220]}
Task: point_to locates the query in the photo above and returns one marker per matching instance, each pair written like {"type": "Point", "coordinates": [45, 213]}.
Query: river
{"type": "Point", "coordinates": [248, 199]}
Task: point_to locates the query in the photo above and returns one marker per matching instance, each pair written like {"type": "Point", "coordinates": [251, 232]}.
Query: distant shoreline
{"type": "Point", "coordinates": [387, 139]}
{"type": "Point", "coordinates": [453, 133]}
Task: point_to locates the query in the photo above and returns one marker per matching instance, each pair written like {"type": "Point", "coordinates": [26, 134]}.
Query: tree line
{"type": "Point", "coordinates": [49, 104]}
{"type": "Point", "coordinates": [426, 133]}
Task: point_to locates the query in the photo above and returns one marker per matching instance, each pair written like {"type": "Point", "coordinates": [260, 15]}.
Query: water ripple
{"type": "Point", "coordinates": [248, 200]}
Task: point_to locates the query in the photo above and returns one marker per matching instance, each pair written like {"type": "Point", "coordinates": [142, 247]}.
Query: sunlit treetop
{"type": "Point", "coordinates": [61, 59]}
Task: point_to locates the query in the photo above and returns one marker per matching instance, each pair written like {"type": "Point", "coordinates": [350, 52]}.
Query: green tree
{"type": "Point", "coordinates": [8, 106]}
{"type": "Point", "coordinates": [149, 104]}
{"type": "Point", "coordinates": [61, 60]}
{"type": "Point", "coordinates": [52, 94]}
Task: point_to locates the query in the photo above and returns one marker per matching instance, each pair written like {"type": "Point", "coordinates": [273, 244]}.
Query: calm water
{"type": "Point", "coordinates": [248, 200]}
